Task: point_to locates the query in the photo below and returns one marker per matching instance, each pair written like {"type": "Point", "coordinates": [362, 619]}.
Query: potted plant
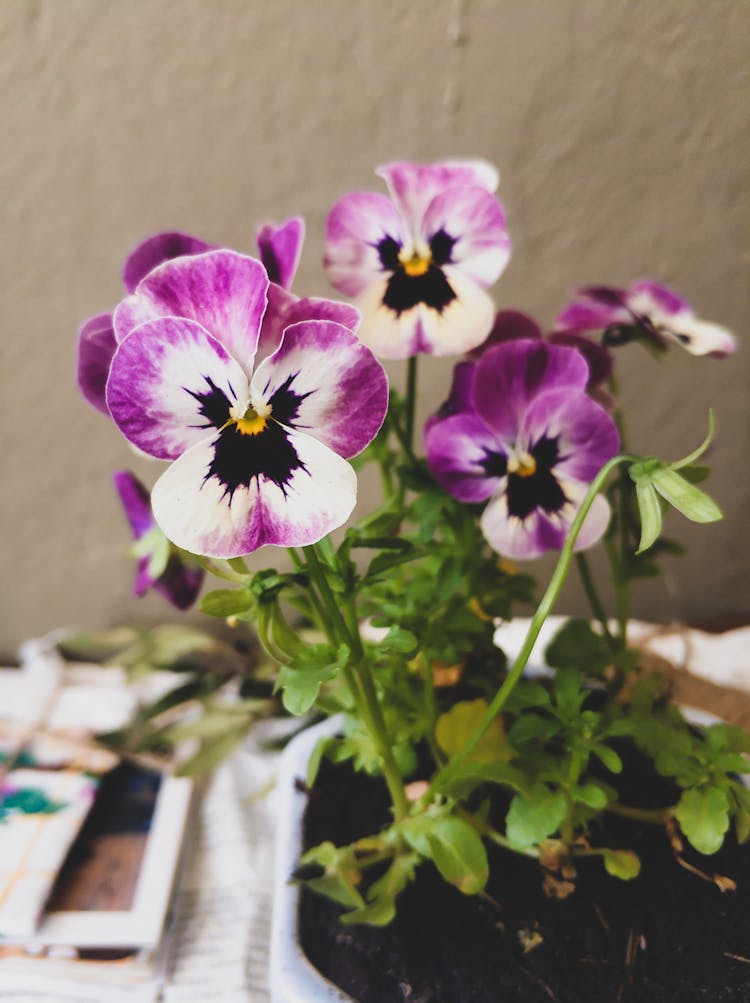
{"type": "Point", "coordinates": [449, 774]}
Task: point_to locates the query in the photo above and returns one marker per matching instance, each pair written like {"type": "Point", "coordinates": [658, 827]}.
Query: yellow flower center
{"type": "Point", "coordinates": [253, 421]}
{"type": "Point", "coordinates": [522, 466]}
{"type": "Point", "coordinates": [414, 263]}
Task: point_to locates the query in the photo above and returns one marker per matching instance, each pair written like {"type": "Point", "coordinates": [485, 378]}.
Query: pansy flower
{"type": "Point", "coordinates": [528, 440]}
{"type": "Point", "coordinates": [279, 248]}
{"type": "Point", "coordinates": [259, 451]}
{"type": "Point", "coordinates": [161, 566]}
{"type": "Point", "coordinates": [417, 263]}
{"type": "Point", "coordinates": [649, 310]}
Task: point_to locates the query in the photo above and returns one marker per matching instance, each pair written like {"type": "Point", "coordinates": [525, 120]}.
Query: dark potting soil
{"type": "Point", "coordinates": [666, 937]}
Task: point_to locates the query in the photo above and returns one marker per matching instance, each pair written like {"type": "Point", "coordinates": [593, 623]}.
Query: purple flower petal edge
{"type": "Point", "coordinates": [154, 251]}
{"type": "Point", "coordinates": [96, 347]}
{"type": "Point", "coordinates": [280, 248]}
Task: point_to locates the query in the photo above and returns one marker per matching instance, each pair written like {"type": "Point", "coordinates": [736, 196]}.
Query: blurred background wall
{"type": "Point", "coordinates": [621, 130]}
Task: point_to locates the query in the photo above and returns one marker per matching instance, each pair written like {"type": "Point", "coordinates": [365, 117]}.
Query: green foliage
{"type": "Point", "coordinates": [703, 814]}
{"type": "Point", "coordinates": [577, 646]}
{"type": "Point", "coordinates": [534, 816]}
{"type": "Point", "coordinates": [301, 679]}
{"type": "Point", "coordinates": [623, 864]}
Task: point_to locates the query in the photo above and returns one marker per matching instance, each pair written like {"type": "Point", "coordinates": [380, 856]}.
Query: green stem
{"type": "Point", "coordinates": [494, 836]}
{"type": "Point", "coordinates": [574, 772]}
{"type": "Point", "coordinates": [543, 610]}
{"type": "Point", "coordinates": [227, 574]}
{"type": "Point", "coordinates": [430, 706]}
{"type": "Point", "coordinates": [411, 396]}
{"type": "Point", "coordinates": [361, 684]}
{"type": "Point", "coordinates": [657, 816]}
{"type": "Point", "coordinates": [595, 602]}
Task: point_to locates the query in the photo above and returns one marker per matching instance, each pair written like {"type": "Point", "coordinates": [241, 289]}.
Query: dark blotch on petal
{"type": "Point", "coordinates": [405, 291]}
{"type": "Point", "coordinates": [388, 250]}
{"type": "Point", "coordinates": [240, 458]}
{"type": "Point", "coordinates": [495, 464]}
{"type": "Point", "coordinates": [541, 489]}
{"type": "Point", "coordinates": [441, 247]}
{"type": "Point", "coordinates": [285, 402]}
{"type": "Point", "coordinates": [214, 404]}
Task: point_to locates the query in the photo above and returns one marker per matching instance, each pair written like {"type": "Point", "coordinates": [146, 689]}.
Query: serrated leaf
{"type": "Point", "coordinates": [382, 894]}
{"type": "Point", "coordinates": [703, 814]}
{"type": "Point", "coordinates": [458, 853]}
{"type": "Point", "coordinates": [623, 864]}
{"type": "Point", "coordinates": [535, 816]}
{"type": "Point", "coordinates": [577, 645]}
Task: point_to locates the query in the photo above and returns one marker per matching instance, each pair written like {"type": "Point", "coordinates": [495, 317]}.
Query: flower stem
{"type": "Point", "coordinates": [595, 602]}
{"type": "Point", "coordinates": [656, 816]}
{"type": "Point", "coordinates": [411, 396]}
{"type": "Point", "coordinates": [359, 679]}
{"type": "Point", "coordinates": [543, 610]}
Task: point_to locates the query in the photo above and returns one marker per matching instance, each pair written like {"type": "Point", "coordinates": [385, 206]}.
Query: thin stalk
{"type": "Point", "coordinates": [411, 396]}
{"type": "Point", "coordinates": [595, 602]}
{"type": "Point", "coordinates": [496, 837]}
{"type": "Point", "coordinates": [543, 610]}
{"type": "Point", "coordinates": [227, 574]}
{"type": "Point", "coordinates": [430, 707]}
{"type": "Point", "coordinates": [657, 816]}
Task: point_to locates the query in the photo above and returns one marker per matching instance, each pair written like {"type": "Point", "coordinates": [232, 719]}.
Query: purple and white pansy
{"type": "Point", "coordinates": [160, 565]}
{"type": "Point", "coordinates": [525, 437]}
{"type": "Point", "coordinates": [656, 311]}
{"type": "Point", "coordinates": [279, 248]}
{"type": "Point", "coordinates": [417, 264]}
{"type": "Point", "coordinates": [259, 450]}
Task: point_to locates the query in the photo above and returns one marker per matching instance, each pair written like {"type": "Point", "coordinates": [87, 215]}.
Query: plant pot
{"type": "Point", "coordinates": [295, 980]}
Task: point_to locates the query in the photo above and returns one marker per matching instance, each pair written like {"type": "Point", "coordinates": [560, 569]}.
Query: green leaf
{"type": "Point", "coordinates": [460, 781]}
{"type": "Point", "coordinates": [608, 757]}
{"type": "Point", "coordinates": [213, 751]}
{"type": "Point", "coordinates": [400, 641]}
{"type": "Point", "coordinates": [459, 854]}
{"type": "Point", "coordinates": [301, 680]}
{"type": "Point", "coordinates": [338, 882]}
{"type": "Point", "coordinates": [650, 513]}
{"type": "Point", "coordinates": [533, 817]}
{"type": "Point", "coordinates": [227, 602]}
{"type": "Point", "coordinates": [742, 811]}
{"type": "Point", "coordinates": [454, 728]}
{"type": "Point", "coordinates": [577, 645]}
{"type": "Point", "coordinates": [623, 864]}
{"type": "Point", "coordinates": [703, 814]}
{"type": "Point", "coordinates": [382, 894]}
{"type": "Point", "coordinates": [530, 726]}
{"type": "Point", "coordinates": [591, 795]}
{"type": "Point", "coordinates": [693, 503]}
{"type": "Point", "coordinates": [320, 749]}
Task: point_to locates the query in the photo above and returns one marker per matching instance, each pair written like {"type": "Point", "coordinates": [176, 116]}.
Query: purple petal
{"type": "Point", "coordinates": [459, 326]}
{"type": "Point", "coordinates": [475, 221]}
{"type": "Point", "coordinates": [608, 295]}
{"type": "Point", "coordinates": [223, 291]}
{"type": "Point", "coordinates": [459, 399]}
{"type": "Point", "coordinates": [461, 452]}
{"type": "Point", "coordinates": [136, 501]}
{"type": "Point", "coordinates": [356, 226]}
{"type": "Point", "coordinates": [590, 315]}
{"type": "Point", "coordinates": [155, 251]}
{"type": "Point", "coordinates": [414, 186]}
{"type": "Point", "coordinates": [510, 325]}
{"type": "Point", "coordinates": [586, 436]}
{"type": "Point", "coordinates": [201, 514]}
{"type": "Point", "coordinates": [170, 384]}
{"type": "Point", "coordinates": [285, 309]}
{"type": "Point", "coordinates": [644, 295]}
{"type": "Point", "coordinates": [96, 346]}
{"type": "Point", "coordinates": [599, 360]}
{"type": "Point", "coordinates": [280, 248]}
{"type": "Point", "coordinates": [180, 582]}
{"type": "Point", "coordinates": [322, 380]}
{"type": "Point", "coordinates": [511, 375]}
{"type": "Point", "coordinates": [539, 532]}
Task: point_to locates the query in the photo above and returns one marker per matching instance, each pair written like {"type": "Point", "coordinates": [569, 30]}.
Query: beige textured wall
{"type": "Point", "coordinates": [621, 129]}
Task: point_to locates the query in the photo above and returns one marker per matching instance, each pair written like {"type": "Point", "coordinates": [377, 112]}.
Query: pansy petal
{"type": "Point", "coordinates": [170, 381]}
{"type": "Point", "coordinates": [322, 380]}
{"type": "Point", "coordinates": [459, 398]}
{"type": "Point", "coordinates": [581, 433]}
{"type": "Point", "coordinates": [465, 458]}
{"type": "Point", "coordinates": [414, 186]}
{"type": "Point", "coordinates": [201, 512]}
{"type": "Point", "coordinates": [180, 582]}
{"type": "Point", "coordinates": [136, 502]}
{"type": "Point", "coordinates": [539, 532]}
{"type": "Point", "coordinates": [96, 346]}
{"type": "Point", "coordinates": [474, 222]}
{"type": "Point", "coordinates": [644, 296]}
{"type": "Point", "coordinates": [599, 359]}
{"type": "Point", "coordinates": [509, 325]}
{"type": "Point", "coordinates": [359, 226]}
{"type": "Point", "coordinates": [453, 329]}
{"type": "Point", "coordinates": [280, 248]}
{"type": "Point", "coordinates": [699, 337]}
{"type": "Point", "coordinates": [285, 309]}
{"type": "Point", "coordinates": [590, 315]}
{"type": "Point", "coordinates": [223, 291]}
{"type": "Point", "coordinates": [509, 376]}
{"type": "Point", "coordinates": [155, 251]}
